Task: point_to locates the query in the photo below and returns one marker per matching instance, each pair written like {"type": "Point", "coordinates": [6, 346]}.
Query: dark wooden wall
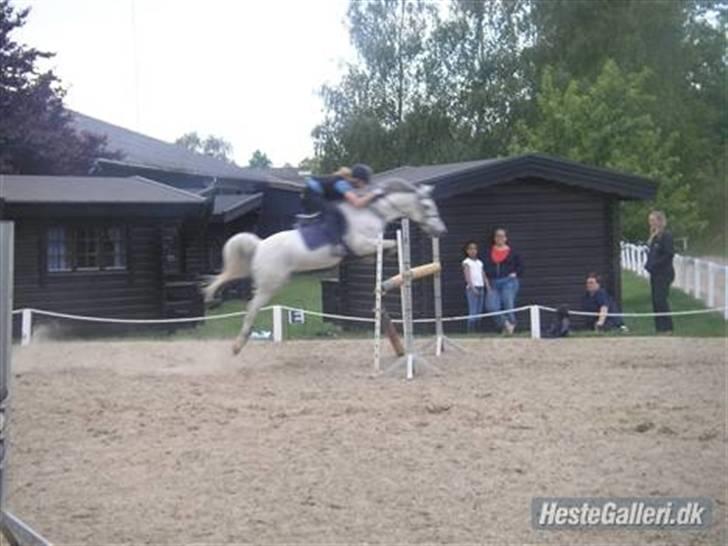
{"type": "Point", "coordinates": [561, 232]}
{"type": "Point", "coordinates": [135, 293]}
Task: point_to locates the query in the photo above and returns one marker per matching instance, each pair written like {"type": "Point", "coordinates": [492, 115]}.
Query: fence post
{"type": "Point", "coordinates": [679, 272]}
{"type": "Point", "coordinates": [696, 278]}
{"type": "Point", "coordinates": [535, 322]}
{"type": "Point", "coordinates": [26, 330]}
{"type": "Point", "coordinates": [633, 258]}
{"type": "Point", "coordinates": [725, 293]}
{"type": "Point", "coordinates": [711, 284]}
{"type": "Point", "coordinates": [277, 324]}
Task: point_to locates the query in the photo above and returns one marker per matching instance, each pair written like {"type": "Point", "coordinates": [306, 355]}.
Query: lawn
{"type": "Point", "coordinates": [304, 292]}
{"type": "Point", "coordinates": [636, 299]}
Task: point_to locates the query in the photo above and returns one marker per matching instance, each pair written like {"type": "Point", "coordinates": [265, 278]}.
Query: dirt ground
{"type": "Point", "coordinates": [180, 443]}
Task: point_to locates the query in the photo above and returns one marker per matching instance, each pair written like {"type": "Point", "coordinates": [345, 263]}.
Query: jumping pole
{"type": "Point", "coordinates": [13, 529]}
{"type": "Point", "coordinates": [442, 342]}
{"type": "Point", "coordinates": [411, 360]}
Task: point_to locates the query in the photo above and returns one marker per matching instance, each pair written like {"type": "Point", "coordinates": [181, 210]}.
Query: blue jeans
{"type": "Point", "coordinates": [476, 299]}
{"type": "Point", "coordinates": [501, 297]}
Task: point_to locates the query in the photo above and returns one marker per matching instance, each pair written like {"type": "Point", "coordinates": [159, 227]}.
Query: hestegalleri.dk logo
{"type": "Point", "coordinates": [679, 513]}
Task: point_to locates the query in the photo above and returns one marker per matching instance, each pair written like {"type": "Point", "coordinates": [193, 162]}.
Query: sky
{"type": "Point", "coordinates": [248, 71]}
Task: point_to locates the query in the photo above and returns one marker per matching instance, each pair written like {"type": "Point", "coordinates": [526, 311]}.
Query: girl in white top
{"type": "Point", "coordinates": [475, 283]}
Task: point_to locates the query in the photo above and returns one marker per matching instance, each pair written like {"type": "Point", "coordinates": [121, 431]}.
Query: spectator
{"type": "Point", "coordinates": [503, 269]}
{"type": "Point", "coordinates": [596, 300]}
{"type": "Point", "coordinates": [474, 284]}
{"type": "Point", "coordinates": [659, 265]}
{"type": "Point", "coordinates": [561, 326]}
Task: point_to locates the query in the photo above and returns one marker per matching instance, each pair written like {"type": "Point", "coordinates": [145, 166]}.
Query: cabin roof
{"type": "Point", "coordinates": [32, 189]}
{"type": "Point", "coordinates": [227, 208]}
{"type": "Point", "coordinates": [457, 178]}
{"type": "Point", "coordinates": [142, 151]}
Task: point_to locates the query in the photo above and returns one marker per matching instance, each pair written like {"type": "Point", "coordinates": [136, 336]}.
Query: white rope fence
{"type": "Point", "coordinates": [700, 278]}
{"type": "Point", "coordinates": [278, 313]}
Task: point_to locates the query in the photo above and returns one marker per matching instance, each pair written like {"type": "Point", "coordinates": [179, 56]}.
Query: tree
{"type": "Point", "coordinates": [607, 123]}
{"type": "Point", "coordinates": [216, 147]}
{"type": "Point", "coordinates": [36, 135]}
{"type": "Point", "coordinates": [310, 165]}
{"type": "Point", "coordinates": [682, 44]}
{"type": "Point", "coordinates": [259, 160]}
{"type": "Point", "coordinates": [475, 72]}
{"type": "Point", "coordinates": [367, 109]}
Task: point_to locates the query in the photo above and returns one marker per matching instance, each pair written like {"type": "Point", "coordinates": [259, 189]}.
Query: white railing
{"type": "Point", "coordinates": [702, 279]}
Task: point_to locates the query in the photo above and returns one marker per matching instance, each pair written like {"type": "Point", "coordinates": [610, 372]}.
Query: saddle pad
{"type": "Point", "coordinates": [316, 235]}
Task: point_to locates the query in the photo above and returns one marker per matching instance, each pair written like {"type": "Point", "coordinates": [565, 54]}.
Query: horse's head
{"type": "Point", "coordinates": [415, 203]}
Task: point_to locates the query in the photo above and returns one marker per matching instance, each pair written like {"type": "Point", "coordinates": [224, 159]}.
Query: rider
{"type": "Point", "coordinates": [323, 193]}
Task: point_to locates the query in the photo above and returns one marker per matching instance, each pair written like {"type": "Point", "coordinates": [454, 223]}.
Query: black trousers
{"type": "Point", "coordinates": [660, 285]}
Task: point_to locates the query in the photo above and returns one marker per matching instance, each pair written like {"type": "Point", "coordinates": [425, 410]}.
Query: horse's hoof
{"type": "Point", "coordinates": [237, 348]}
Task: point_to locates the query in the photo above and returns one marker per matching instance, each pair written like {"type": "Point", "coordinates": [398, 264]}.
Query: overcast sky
{"type": "Point", "coordinates": [245, 70]}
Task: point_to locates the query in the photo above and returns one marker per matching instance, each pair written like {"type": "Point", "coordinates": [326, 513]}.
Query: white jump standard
{"type": "Point", "coordinates": [403, 280]}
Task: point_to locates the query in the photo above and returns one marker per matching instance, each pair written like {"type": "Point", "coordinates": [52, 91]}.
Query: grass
{"type": "Point", "coordinates": [636, 299]}
{"type": "Point", "coordinates": [303, 292]}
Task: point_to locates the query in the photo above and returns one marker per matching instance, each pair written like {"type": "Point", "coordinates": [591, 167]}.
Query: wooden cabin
{"type": "Point", "coordinates": [103, 246]}
{"type": "Point", "coordinates": [562, 217]}
{"type": "Point", "coordinates": [262, 201]}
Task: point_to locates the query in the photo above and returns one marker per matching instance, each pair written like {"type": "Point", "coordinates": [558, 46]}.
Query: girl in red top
{"type": "Point", "coordinates": [503, 268]}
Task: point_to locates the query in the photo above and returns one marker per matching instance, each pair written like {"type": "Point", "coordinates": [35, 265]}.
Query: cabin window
{"type": "Point", "coordinates": [86, 248]}
{"type": "Point", "coordinates": [58, 255]}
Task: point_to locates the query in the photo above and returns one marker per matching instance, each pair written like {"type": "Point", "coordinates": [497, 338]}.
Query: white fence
{"type": "Point", "coordinates": [702, 279]}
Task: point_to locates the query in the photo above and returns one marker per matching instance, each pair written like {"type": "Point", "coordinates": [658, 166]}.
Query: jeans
{"type": "Point", "coordinates": [501, 297]}
{"type": "Point", "coordinates": [476, 299]}
{"type": "Point", "coordinates": [660, 285]}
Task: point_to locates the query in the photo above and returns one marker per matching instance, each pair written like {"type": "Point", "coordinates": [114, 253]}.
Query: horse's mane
{"type": "Point", "coordinates": [392, 185]}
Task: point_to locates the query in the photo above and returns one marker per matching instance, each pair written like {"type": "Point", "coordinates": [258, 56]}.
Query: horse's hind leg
{"type": "Point", "coordinates": [263, 295]}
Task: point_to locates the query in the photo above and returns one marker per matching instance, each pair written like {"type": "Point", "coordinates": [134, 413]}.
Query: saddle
{"type": "Point", "coordinates": [327, 228]}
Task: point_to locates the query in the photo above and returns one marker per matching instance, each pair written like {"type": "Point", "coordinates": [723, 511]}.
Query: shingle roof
{"type": "Point", "coordinates": [229, 207]}
{"type": "Point", "coordinates": [91, 190]}
{"type": "Point", "coordinates": [455, 178]}
{"type": "Point", "coordinates": [143, 151]}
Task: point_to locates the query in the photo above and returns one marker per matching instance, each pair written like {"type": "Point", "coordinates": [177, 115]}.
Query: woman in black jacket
{"type": "Point", "coordinates": [659, 265]}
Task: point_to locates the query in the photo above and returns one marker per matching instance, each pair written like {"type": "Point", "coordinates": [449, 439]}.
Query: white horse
{"type": "Point", "coordinates": [271, 261]}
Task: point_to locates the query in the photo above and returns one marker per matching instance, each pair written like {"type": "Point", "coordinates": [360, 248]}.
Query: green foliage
{"type": "Point", "coordinates": [216, 147]}
{"type": "Point", "coordinates": [260, 160]}
{"type": "Point", "coordinates": [36, 135]}
{"type": "Point", "coordinates": [608, 123]}
{"type": "Point", "coordinates": [631, 85]}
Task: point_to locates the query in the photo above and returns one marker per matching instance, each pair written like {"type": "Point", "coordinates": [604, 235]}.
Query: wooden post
{"type": "Point", "coordinates": [535, 322]}
{"type": "Point", "coordinates": [26, 330]}
{"type": "Point", "coordinates": [725, 293]}
{"type": "Point", "coordinates": [711, 285]}
{"type": "Point", "coordinates": [407, 326]}
{"type": "Point", "coordinates": [277, 324]}
{"type": "Point", "coordinates": [437, 289]}
{"type": "Point", "coordinates": [13, 529]}
{"type": "Point", "coordinates": [696, 277]}
{"type": "Point", "coordinates": [378, 304]}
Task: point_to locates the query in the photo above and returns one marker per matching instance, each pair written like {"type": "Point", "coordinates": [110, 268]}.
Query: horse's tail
{"type": "Point", "coordinates": [237, 255]}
